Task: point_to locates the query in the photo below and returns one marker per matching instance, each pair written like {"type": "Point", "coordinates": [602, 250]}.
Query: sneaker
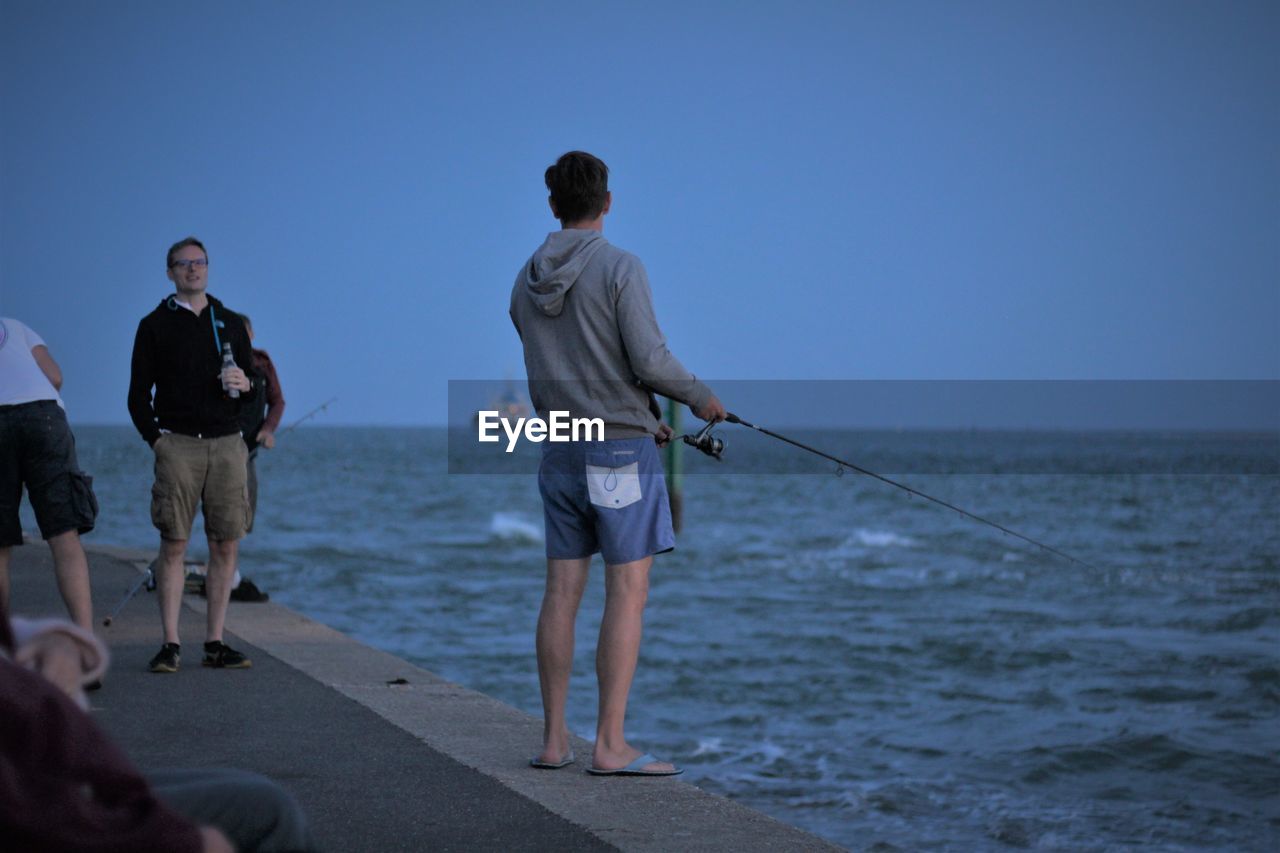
{"type": "Point", "coordinates": [248, 591]}
{"type": "Point", "coordinates": [166, 660]}
{"type": "Point", "coordinates": [219, 654]}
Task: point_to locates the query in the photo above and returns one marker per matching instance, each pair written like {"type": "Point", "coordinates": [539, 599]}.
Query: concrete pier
{"type": "Point", "coordinates": [381, 754]}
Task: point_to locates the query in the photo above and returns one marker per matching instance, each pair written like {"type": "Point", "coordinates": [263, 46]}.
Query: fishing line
{"type": "Point", "coordinates": [714, 447]}
{"type": "Point", "coordinates": [320, 408]}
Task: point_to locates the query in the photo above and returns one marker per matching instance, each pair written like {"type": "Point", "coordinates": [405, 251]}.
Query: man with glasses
{"type": "Point", "coordinates": [193, 425]}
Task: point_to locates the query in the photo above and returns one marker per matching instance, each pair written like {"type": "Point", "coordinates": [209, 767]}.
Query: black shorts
{"type": "Point", "coordinates": [37, 450]}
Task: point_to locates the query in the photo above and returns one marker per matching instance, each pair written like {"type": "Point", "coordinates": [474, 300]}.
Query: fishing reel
{"type": "Point", "coordinates": [706, 442]}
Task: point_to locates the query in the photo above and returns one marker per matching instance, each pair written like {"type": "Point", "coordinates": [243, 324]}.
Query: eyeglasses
{"type": "Point", "coordinates": [186, 265]}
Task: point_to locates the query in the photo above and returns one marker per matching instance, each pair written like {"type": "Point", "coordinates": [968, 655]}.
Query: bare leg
{"type": "Point", "coordinates": [71, 568]}
{"type": "Point", "coordinates": [566, 579]}
{"type": "Point", "coordinates": [169, 582]}
{"type": "Point", "coordinates": [222, 568]}
{"type": "Point", "coordinates": [5, 553]}
{"type": "Point", "coordinates": [626, 591]}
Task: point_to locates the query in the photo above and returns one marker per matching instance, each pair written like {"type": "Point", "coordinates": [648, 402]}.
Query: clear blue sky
{"type": "Point", "coordinates": [840, 190]}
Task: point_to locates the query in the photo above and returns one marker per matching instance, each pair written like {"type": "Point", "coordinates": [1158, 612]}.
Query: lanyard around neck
{"type": "Point", "coordinates": [213, 321]}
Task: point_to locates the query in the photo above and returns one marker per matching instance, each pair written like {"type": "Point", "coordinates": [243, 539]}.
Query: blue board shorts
{"type": "Point", "coordinates": [607, 496]}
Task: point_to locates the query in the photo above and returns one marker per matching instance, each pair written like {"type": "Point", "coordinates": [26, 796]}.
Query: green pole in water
{"type": "Point", "coordinates": [675, 467]}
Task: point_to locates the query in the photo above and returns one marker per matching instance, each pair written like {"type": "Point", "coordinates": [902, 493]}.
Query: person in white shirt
{"type": "Point", "coordinates": [38, 451]}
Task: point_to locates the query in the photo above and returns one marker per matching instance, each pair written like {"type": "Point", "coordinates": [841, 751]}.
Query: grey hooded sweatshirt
{"type": "Point", "coordinates": [592, 346]}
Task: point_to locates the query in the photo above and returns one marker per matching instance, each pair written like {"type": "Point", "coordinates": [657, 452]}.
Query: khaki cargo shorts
{"type": "Point", "coordinates": [210, 472]}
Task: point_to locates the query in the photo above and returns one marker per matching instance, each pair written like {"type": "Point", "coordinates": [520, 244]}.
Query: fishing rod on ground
{"type": "Point", "coordinates": [714, 447]}
{"type": "Point", "coordinates": [147, 579]}
{"type": "Point", "coordinates": [317, 410]}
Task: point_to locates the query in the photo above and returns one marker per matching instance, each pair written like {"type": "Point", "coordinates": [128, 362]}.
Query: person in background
{"type": "Point", "coordinates": [64, 786]}
{"type": "Point", "coordinates": [592, 348]}
{"type": "Point", "coordinates": [38, 450]}
{"type": "Point", "coordinates": [193, 425]}
{"type": "Point", "coordinates": [259, 420]}
{"type": "Point", "coordinates": [261, 414]}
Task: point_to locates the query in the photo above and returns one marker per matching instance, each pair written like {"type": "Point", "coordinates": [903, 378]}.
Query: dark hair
{"type": "Point", "coordinates": [579, 184]}
{"type": "Point", "coordinates": [182, 244]}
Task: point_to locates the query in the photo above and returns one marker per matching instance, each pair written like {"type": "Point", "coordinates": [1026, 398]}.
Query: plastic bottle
{"type": "Point", "coordinates": [228, 360]}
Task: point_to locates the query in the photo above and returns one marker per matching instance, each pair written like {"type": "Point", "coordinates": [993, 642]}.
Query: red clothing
{"type": "Point", "coordinates": [275, 395]}
{"type": "Point", "coordinates": [64, 786]}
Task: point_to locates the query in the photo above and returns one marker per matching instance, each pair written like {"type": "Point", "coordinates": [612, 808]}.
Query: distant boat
{"type": "Point", "coordinates": [509, 405]}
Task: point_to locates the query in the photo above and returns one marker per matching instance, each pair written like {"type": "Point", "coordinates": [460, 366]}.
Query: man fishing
{"type": "Point", "coordinates": [592, 347]}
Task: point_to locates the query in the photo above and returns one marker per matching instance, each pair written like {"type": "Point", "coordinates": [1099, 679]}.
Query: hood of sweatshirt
{"type": "Point", "coordinates": [556, 266]}
{"type": "Point", "coordinates": [171, 302]}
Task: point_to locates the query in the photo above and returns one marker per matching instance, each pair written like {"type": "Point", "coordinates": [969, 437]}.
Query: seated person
{"type": "Point", "coordinates": [64, 786]}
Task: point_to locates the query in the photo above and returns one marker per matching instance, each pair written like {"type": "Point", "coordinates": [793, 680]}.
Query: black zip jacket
{"type": "Point", "coordinates": [175, 352]}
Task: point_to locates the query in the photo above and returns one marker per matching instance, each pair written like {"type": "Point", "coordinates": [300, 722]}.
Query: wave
{"type": "Point", "coordinates": [743, 760]}
{"type": "Point", "coordinates": [710, 746]}
{"type": "Point", "coordinates": [1253, 774]}
{"type": "Point", "coordinates": [879, 539]}
{"type": "Point", "coordinates": [504, 528]}
{"type": "Point", "coordinates": [1247, 619]}
{"type": "Point", "coordinates": [509, 527]}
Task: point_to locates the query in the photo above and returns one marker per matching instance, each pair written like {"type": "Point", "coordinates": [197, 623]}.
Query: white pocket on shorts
{"type": "Point", "coordinates": [614, 487]}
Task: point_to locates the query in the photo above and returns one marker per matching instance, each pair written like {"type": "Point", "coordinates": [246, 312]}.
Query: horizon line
{"type": "Point", "coordinates": [1244, 428]}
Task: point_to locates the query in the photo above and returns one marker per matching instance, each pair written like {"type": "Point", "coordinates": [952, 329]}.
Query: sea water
{"type": "Point", "coordinates": [864, 664]}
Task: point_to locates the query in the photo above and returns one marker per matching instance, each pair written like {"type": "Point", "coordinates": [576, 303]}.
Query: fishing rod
{"type": "Point", "coordinates": [147, 579]}
{"type": "Point", "coordinates": [714, 447]}
{"type": "Point", "coordinates": [320, 408]}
